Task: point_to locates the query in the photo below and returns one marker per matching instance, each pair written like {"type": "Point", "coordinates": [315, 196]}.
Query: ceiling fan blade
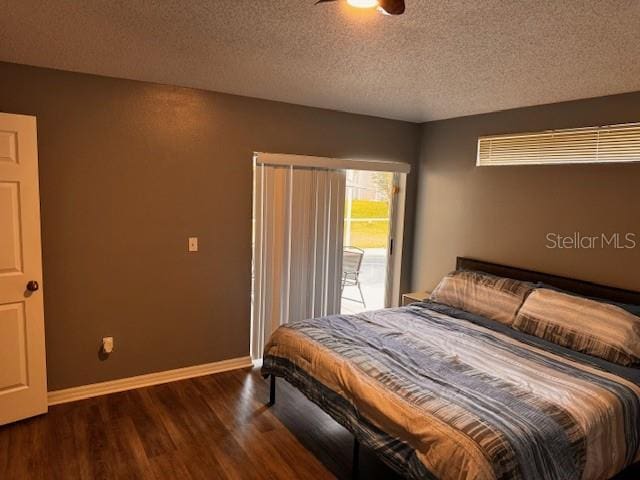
{"type": "Point", "coordinates": [392, 7]}
{"type": "Point", "coordinates": [325, 1]}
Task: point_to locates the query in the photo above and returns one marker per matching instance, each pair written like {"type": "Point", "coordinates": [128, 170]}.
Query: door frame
{"type": "Point", "coordinates": [396, 239]}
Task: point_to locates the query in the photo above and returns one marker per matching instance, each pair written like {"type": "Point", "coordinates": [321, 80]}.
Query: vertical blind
{"type": "Point", "coordinates": [608, 144]}
{"type": "Point", "coordinates": [298, 229]}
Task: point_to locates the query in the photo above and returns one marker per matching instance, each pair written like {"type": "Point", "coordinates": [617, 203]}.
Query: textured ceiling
{"type": "Point", "coordinates": [441, 59]}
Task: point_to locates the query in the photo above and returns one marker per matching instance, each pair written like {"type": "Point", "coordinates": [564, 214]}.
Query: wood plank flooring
{"type": "Point", "coordinates": [210, 427]}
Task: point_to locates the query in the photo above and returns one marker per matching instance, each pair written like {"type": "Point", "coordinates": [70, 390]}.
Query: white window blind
{"type": "Point", "coordinates": [299, 222]}
{"type": "Point", "coordinates": [607, 144]}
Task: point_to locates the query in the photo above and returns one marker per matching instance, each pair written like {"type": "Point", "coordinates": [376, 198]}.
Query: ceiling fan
{"type": "Point", "coordinates": [389, 7]}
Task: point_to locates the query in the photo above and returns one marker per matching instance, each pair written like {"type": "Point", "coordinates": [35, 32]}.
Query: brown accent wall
{"type": "Point", "coordinates": [129, 170]}
{"type": "Point", "coordinates": [503, 214]}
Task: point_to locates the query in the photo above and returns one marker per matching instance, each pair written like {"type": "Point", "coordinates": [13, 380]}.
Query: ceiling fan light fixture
{"type": "Point", "coordinates": [388, 7]}
{"type": "Point", "coordinates": [364, 3]}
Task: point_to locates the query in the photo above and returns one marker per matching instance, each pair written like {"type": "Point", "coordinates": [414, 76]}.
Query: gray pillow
{"type": "Point", "coordinates": [492, 297]}
{"type": "Point", "coordinates": [633, 309]}
{"type": "Point", "coordinates": [581, 324]}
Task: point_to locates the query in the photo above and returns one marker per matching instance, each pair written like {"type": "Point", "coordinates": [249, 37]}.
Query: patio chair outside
{"type": "Point", "coordinates": [351, 263]}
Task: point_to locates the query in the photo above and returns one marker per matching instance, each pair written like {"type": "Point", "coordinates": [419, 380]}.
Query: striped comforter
{"type": "Point", "coordinates": [439, 396]}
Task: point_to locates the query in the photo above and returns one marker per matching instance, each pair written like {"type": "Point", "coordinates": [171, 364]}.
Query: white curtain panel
{"type": "Point", "coordinates": [299, 222]}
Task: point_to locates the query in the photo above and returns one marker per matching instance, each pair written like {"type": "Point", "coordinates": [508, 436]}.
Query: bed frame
{"type": "Point", "coordinates": [580, 287]}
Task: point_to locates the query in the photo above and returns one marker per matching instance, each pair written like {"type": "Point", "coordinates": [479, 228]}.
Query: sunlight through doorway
{"type": "Point", "coordinates": [367, 226]}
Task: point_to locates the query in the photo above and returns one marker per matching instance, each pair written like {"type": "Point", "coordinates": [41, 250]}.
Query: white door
{"type": "Point", "coordinates": [23, 382]}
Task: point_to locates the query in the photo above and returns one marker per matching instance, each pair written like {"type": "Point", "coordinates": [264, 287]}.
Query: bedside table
{"type": "Point", "coordinates": [408, 298]}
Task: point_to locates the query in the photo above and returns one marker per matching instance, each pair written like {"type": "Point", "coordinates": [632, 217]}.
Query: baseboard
{"type": "Point", "coordinates": [87, 391]}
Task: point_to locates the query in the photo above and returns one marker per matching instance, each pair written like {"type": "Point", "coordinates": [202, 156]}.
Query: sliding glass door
{"type": "Point", "coordinates": [374, 206]}
{"type": "Point", "coordinates": [366, 240]}
{"type": "Point", "coordinates": [326, 239]}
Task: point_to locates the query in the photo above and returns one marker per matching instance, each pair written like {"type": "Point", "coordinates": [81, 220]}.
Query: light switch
{"type": "Point", "coordinates": [193, 244]}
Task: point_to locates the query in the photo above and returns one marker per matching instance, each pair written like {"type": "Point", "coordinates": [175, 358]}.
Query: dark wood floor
{"type": "Point", "coordinates": [205, 428]}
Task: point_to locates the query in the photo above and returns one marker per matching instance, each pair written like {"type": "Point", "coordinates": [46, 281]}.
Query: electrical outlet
{"type": "Point", "coordinates": [107, 345]}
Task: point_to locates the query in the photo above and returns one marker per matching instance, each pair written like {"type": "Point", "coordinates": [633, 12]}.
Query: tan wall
{"type": "Point", "coordinates": [129, 170]}
{"type": "Point", "coordinates": [502, 214]}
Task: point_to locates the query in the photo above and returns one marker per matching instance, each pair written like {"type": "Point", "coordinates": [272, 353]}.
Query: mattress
{"type": "Point", "coordinates": [442, 394]}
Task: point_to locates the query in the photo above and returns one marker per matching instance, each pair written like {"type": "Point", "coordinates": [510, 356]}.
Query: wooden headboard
{"type": "Point", "coordinates": [580, 287]}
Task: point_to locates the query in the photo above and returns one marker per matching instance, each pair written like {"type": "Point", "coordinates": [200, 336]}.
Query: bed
{"type": "Point", "coordinates": [440, 393]}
